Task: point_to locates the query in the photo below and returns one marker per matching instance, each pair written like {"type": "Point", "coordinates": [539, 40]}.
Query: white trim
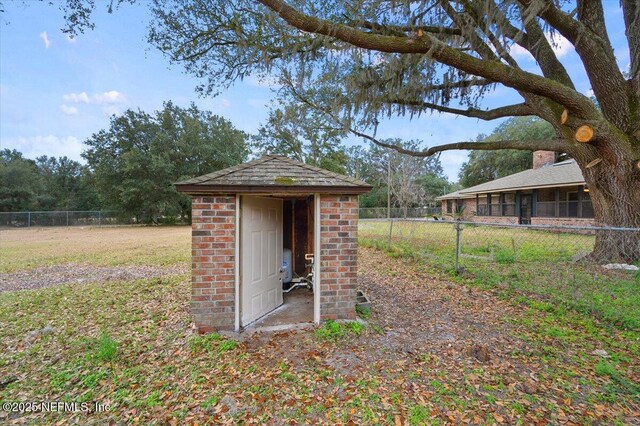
{"type": "Point", "coordinates": [237, 265]}
{"type": "Point", "coordinates": [316, 258]}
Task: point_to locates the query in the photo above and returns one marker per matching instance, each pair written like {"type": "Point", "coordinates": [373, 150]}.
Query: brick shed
{"type": "Point", "coordinates": [248, 218]}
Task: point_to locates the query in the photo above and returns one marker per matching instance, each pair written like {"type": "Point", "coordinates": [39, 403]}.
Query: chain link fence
{"type": "Point", "coordinates": [63, 218]}
{"type": "Point", "coordinates": [594, 269]}
{"type": "Point", "coordinates": [414, 212]}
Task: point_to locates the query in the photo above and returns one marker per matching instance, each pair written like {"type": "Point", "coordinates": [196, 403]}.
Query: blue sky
{"type": "Point", "coordinates": [55, 92]}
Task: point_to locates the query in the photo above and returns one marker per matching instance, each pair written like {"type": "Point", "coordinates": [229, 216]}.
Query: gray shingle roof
{"type": "Point", "coordinates": [566, 173]}
{"type": "Point", "coordinates": [273, 173]}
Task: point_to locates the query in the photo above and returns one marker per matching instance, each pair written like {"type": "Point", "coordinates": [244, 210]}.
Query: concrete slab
{"type": "Point", "coordinates": [296, 309]}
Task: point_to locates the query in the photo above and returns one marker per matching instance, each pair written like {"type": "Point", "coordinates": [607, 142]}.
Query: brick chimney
{"type": "Point", "coordinates": [543, 158]}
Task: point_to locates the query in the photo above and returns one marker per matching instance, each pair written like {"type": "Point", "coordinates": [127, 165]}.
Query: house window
{"type": "Point", "coordinates": [449, 206]}
{"type": "Point", "coordinates": [546, 203]}
{"type": "Point", "coordinates": [509, 204]}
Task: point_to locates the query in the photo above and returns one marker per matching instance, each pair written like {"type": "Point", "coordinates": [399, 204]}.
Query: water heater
{"type": "Point", "coordinates": [287, 266]}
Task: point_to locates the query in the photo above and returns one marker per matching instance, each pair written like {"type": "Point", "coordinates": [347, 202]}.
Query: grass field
{"type": "Point", "coordinates": [522, 262]}
{"type": "Point", "coordinates": [106, 246]}
{"type": "Point", "coordinates": [129, 345]}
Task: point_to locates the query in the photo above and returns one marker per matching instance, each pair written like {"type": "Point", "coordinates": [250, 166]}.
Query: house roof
{"type": "Point", "coordinates": [273, 174]}
{"type": "Point", "coordinates": [565, 173]}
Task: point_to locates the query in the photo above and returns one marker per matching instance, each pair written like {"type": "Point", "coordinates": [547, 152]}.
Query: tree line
{"type": "Point", "coordinates": [131, 165]}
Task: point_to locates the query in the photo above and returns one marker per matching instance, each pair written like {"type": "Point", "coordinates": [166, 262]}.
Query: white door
{"type": "Point", "coordinates": [261, 257]}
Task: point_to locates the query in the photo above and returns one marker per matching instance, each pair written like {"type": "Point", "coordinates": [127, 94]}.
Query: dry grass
{"type": "Point", "coordinates": [104, 246]}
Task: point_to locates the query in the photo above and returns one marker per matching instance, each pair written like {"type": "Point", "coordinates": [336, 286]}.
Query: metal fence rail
{"type": "Point", "coordinates": [62, 218]}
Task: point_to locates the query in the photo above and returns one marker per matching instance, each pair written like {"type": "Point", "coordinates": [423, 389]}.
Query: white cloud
{"type": "Point", "coordinates": [110, 97]}
{"type": "Point", "coordinates": [53, 146]}
{"type": "Point", "coordinates": [589, 93]}
{"type": "Point", "coordinates": [68, 110]}
{"type": "Point", "coordinates": [560, 45]}
{"type": "Point", "coordinates": [518, 51]}
{"type": "Point", "coordinates": [45, 39]}
{"type": "Point", "coordinates": [106, 98]}
{"type": "Point", "coordinates": [77, 98]}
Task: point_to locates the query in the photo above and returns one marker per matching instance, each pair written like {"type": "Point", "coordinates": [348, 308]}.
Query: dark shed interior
{"type": "Point", "coordinates": [297, 235]}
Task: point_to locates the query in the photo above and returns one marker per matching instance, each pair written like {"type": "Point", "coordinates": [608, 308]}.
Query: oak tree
{"type": "Point", "coordinates": [410, 57]}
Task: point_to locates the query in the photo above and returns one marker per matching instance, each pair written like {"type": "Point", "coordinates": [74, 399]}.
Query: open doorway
{"type": "Point", "coordinates": [294, 240]}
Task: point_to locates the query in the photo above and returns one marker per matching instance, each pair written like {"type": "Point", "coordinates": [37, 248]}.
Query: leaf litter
{"type": "Point", "coordinates": [433, 352]}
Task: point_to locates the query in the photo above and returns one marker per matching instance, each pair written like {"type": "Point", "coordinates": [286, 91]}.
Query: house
{"type": "Point", "coordinates": [246, 219]}
{"type": "Point", "coordinates": [548, 194]}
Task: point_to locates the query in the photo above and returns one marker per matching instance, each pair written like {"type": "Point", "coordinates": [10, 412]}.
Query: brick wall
{"type": "Point", "coordinates": [564, 221]}
{"type": "Point", "coordinates": [510, 220]}
{"type": "Point", "coordinates": [468, 205]}
{"type": "Point", "coordinates": [338, 256]}
{"type": "Point", "coordinates": [213, 262]}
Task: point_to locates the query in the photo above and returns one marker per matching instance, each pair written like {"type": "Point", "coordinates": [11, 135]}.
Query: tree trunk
{"type": "Point", "coordinates": [614, 187]}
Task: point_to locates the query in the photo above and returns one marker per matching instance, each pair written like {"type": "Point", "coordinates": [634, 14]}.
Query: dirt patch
{"type": "Point", "coordinates": [50, 276]}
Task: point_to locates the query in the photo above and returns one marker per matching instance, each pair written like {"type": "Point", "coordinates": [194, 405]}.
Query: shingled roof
{"type": "Point", "coordinates": [273, 174]}
{"type": "Point", "coordinates": [566, 173]}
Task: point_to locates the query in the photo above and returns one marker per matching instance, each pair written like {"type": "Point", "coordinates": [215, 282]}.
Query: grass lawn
{"type": "Point", "coordinates": [106, 246]}
{"type": "Point", "coordinates": [435, 350]}
{"type": "Point", "coordinates": [527, 264]}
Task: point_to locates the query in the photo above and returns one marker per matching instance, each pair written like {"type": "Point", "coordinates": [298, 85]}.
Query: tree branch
{"type": "Point", "coordinates": [460, 84]}
{"type": "Point", "coordinates": [492, 70]}
{"type": "Point", "coordinates": [557, 145]}
{"type": "Point", "coordinates": [403, 29]}
{"type": "Point", "coordinates": [518, 110]}
{"type": "Point", "coordinates": [596, 52]}
{"type": "Point", "coordinates": [631, 11]}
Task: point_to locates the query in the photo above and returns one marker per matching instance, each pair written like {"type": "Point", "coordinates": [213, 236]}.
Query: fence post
{"type": "Point", "coordinates": [99, 214]}
{"type": "Point", "coordinates": [29, 220]}
{"type": "Point", "coordinates": [67, 218]}
{"type": "Point", "coordinates": [458, 234]}
{"type": "Point", "coordinates": [390, 233]}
